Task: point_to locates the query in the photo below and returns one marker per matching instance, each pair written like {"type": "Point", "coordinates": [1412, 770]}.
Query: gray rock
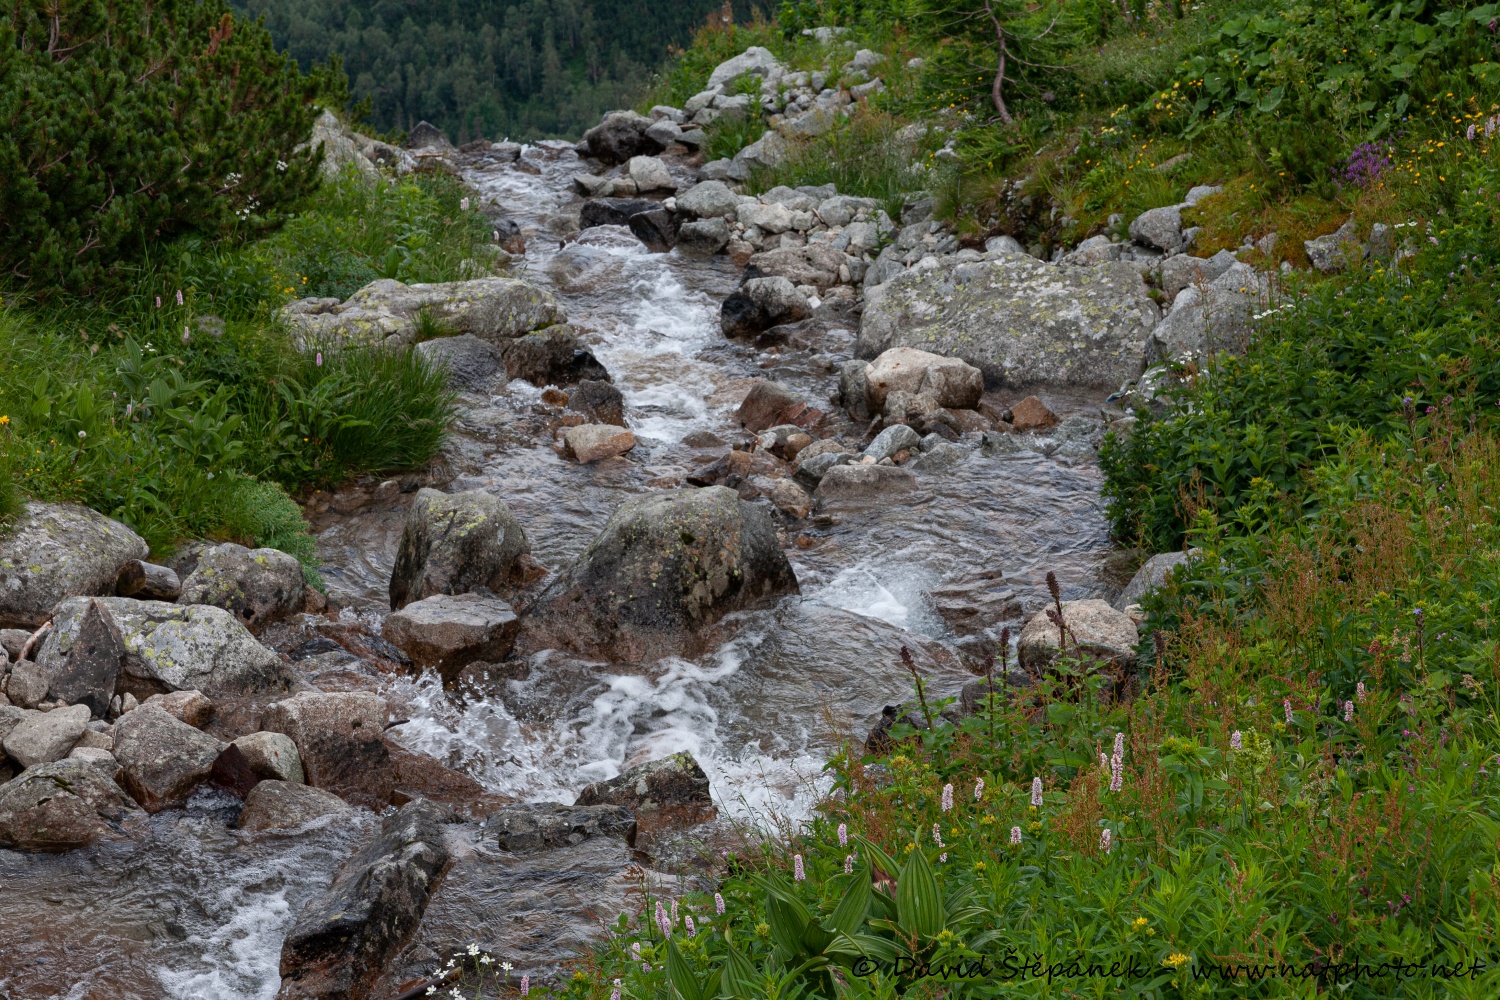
{"type": "Point", "coordinates": [1159, 227]}
{"type": "Point", "coordinates": [43, 737]}
{"type": "Point", "coordinates": [1094, 250]}
{"type": "Point", "coordinates": [448, 632]}
{"type": "Point", "coordinates": [663, 566]}
{"type": "Point", "coordinates": [59, 806]}
{"type": "Point", "coordinates": [550, 357]}
{"type": "Point", "coordinates": [1017, 319]}
{"type": "Point", "coordinates": [344, 937]}
{"type": "Point", "coordinates": [285, 805]}
{"type": "Point", "coordinates": [1152, 574]}
{"type": "Point", "coordinates": [1096, 633]}
{"type": "Point", "coordinates": [338, 736]}
{"type": "Point", "coordinates": [172, 647]}
{"type": "Point", "coordinates": [852, 389]}
{"type": "Point", "coordinates": [865, 482]}
{"type": "Point", "coordinates": [272, 756]}
{"type": "Point", "coordinates": [456, 543]}
{"type": "Point", "coordinates": [339, 150]}
{"type": "Point", "coordinates": [1337, 250]}
{"type": "Point", "coordinates": [708, 199]}
{"type": "Point", "coordinates": [54, 551]}
{"type": "Point", "coordinates": [815, 264]}
{"type": "Point", "coordinates": [950, 381]}
{"type": "Point", "coordinates": [148, 582]}
{"type": "Point", "coordinates": [650, 174]}
{"type": "Point", "coordinates": [548, 825]}
{"type": "Point", "coordinates": [89, 672]}
{"type": "Point", "coordinates": [764, 153]}
{"type": "Point", "coordinates": [388, 312]}
{"type": "Point", "coordinates": [1003, 244]}
{"type": "Point", "coordinates": [672, 782]}
{"type": "Point", "coordinates": [598, 400]}
{"type": "Point", "coordinates": [1181, 270]}
{"type": "Point", "coordinates": [1200, 192]}
{"type": "Point", "coordinates": [163, 758]}
{"type": "Point", "coordinates": [760, 304]}
{"type": "Point", "coordinates": [192, 707]}
{"type": "Point", "coordinates": [613, 211]}
{"type": "Point", "coordinates": [471, 363]}
{"type": "Point", "coordinates": [425, 135]}
{"type": "Point", "coordinates": [789, 498]}
{"type": "Point", "coordinates": [664, 132]}
{"type": "Point", "coordinates": [703, 237]}
{"type": "Point", "coordinates": [12, 641]}
{"type": "Point", "coordinates": [894, 438]}
{"type": "Point", "coordinates": [98, 758]}
{"type": "Point", "coordinates": [939, 456]}
{"type": "Point", "coordinates": [693, 138]}
{"type": "Point", "coordinates": [1204, 322]}
{"type": "Point", "coordinates": [257, 586]}
{"type": "Point", "coordinates": [1382, 244]}
{"type": "Point", "coordinates": [810, 472]}
{"type": "Point", "coordinates": [754, 61]}
{"type": "Point", "coordinates": [619, 136]}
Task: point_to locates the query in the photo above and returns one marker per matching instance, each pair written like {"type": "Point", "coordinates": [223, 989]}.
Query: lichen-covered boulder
{"type": "Point", "coordinates": [664, 566]}
{"type": "Point", "coordinates": [172, 647]}
{"type": "Point", "coordinates": [1017, 319]}
{"type": "Point", "coordinates": [58, 550]}
{"type": "Point", "coordinates": [257, 586]}
{"type": "Point", "coordinates": [454, 543]}
{"type": "Point", "coordinates": [59, 807]}
{"type": "Point", "coordinates": [389, 312]}
{"type": "Point", "coordinates": [339, 149]}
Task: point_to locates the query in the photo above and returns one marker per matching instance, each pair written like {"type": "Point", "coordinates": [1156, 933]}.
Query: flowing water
{"type": "Point", "coordinates": [192, 908]}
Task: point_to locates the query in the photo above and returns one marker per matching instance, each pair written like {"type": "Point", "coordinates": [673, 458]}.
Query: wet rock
{"type": "Point", "coordinates": [550, 357]}
{"type": "Point", "coordinates": [654, 228]}
{"type": "Point", "coordinates": [191, 707]}
{"type": "Point", "coordinates": [338, 736]}
{"type": "Point", "coordinates": [769, 404]}
{"type": "Point", "coordinates": [285, 805]}
{"type": "Point", "coordinates": [672, 782]}
{"type": "Point", "coordinates": [853, 392]}
{"type": "Point", "coordinates": [1017, 319]}
{"type": "Point", "coordinates": [754, 61]}
{"type": "Point", "coordinates": [1159, 227]}
{"type": "Point", "coordinates": [43, 737]}
{"type": "Point", "coordinates": [619, 136]}
{"type": "Point", "coordinates": [471, 363]}
{"type": "Point", "coordinates": [865, 482]}
{"type": "Point", "coordinates": [257, 586]}
{"type": "Point", "coordinates": [1096, 633]}
{"type": "Point", "coordinates": [1031, 414]}
{"type": "Point", "coordinates": [789, 498]}
{"type": "Point", "coordinates": [388, 312]}
{"type": "Point", "coordinates": [970, 606]}
{"type": "Point", "coordinates": [549, 825]}
{"type": "Point", "coordinates": [448, 632]}
{"type": "Point", "coordinates": [148, 582]}
{"type": "Point", "coordinates": [455, 543]}
{"type": "Point", "coordinates": [1337, 250]}
{"type": "Point", "coordinates": [598, 400]}
{"type": "Point", "coordinates": [1202, 323]}
{"type": "Point", "coordinates": [950, 381]}
{"type": "Point", "coordinates": [897, 437]}
{"type": "Point", "coordinates": [734, 463]}
{"type": "Point", "coordinates": [271, 756]}
{"type": "Point", "coordinates": [663, 566]}
{"type": "Point", "coordinates": [703, 237]}
{"type": "Point", "coordinates": [1152, 574]}
{"type": "Point", "coordinates": [760, 304]}
{"type": "Point", "coordinates": [172, 647]}
{"type": "Point", "coordinates": [708, 199]}
{"type": "Point", "coordinates": [344, 937]}
{"type": "Point", "coordinates": [596, 442]}
{"type": "Point", "coordinates": [1180, 271]}
{"type": "Point", "coordinates": [55, 551]}
{"type": "Point", "coordinates": [613, 211]}
{"type": "Point", "coordinates": [811, 470]}
{"type": "Point", "coordinates": [59, 806]}
{"type": "Point", "coordinates": [163, 758]}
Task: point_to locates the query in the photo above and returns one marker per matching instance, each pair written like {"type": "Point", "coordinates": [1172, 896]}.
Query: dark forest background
{"type": "Point", "coordinates": [494, 69]}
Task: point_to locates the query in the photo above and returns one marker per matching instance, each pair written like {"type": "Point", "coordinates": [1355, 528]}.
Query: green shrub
{"type": "Point", "coordinates": [127, 122]}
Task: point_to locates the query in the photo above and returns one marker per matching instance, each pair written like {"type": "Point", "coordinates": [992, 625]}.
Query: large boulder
{"type": "Point", "coordinates": [613, 211]}
{"type": "Point", "coordinates": [551, 357]}
{"type": "Point", "coordinates": [1218, 318]}
{"type": "Point", "coordinates": [1017, 319]}
{"type": "Point", "coordinates": [448, 632]}
{"type": "Point", "coordinates": [663, 566]}
{"type": "Point", "coordinates": [59, 806]}
{"type": "Point", "coordinates": [703, 237]}
{"type": "Point", "coordinates": [815, 264]}
{"type": "Point", "coordinates": [455, 543]}
{"type": "Point", "coordinates": [470, 363]}
{"type": "Point", "coordinates": [171, 647]}
{"type": "Point", "coordinates": [257, 586]}
{"type": "Point", "coordinates": [164, 759]}
{"type": "Point", "coordinates": [619, 136]}
{"type": "Point", "coordinates": [755, 61]}
{"type": "Point", "coordinates": [54, 551]}
{"type": "Point", "coordinates": [388, 312]}
{"type": "Point", "coordinates": [1152, 574]}
{"type": "Point", "coordinates": [1097, 633]}
{"type": "Point", "coordinates": [43, 737]}
{"type": "Point", "coordinates": [951, 382]}
{"type": "Point", "coordinates": [339, 149]}
{"type": "Point", "coordinates": [708, 199]}
{"type": "Point", "coordinates": [343, 938]}
{"type": "Point", "coordinates": [285, 805]}
{"type": "Point", "coordinates": [88, 673]}
{"type": "Point", "coordinates": [671, 783]}
{"type": "Point", "coordinates": [338, 736]}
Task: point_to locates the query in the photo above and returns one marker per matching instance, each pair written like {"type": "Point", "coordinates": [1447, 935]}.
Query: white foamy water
{"type": "Point", "coordinates": [894, 591]}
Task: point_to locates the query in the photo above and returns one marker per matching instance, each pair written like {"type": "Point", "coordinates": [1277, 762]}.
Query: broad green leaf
{"type": "Point", "coordinates": [919, 903]}
{"type": "Point", "coordinates": [1270, 102]}
{"type": "Point", "coordinates": [680, 976]}
{"type": "Point", "coordinates": [739, 980]}
{"type": "Point", "coordinates": [852, 909]}
{"type": "Point", "coordinates": [786, 924]}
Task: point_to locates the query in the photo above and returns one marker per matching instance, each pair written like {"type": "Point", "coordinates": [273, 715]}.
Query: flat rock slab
{"type": "Point", "coordinates": [286, 805]}
{"type": "Point", "coordinates": [596, 442]}
{"type": "Point", "coordinates": [865, 482]}
{"type": "Point", "coordinates": [538, 825]}
{"type": "Point", "coordinates": [448, 632]}
{"type": "Point", "coordinates": [43, 737]}
{"type": "Point", "coordinates": [55, 551]}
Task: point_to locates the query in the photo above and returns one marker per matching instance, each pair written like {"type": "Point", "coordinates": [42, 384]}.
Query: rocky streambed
{"type": "Point", "coordinates": [667, 561]}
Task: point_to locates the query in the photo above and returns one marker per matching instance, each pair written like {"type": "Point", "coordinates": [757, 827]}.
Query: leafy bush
{"type": "Point", "coordinates": [128, 122]}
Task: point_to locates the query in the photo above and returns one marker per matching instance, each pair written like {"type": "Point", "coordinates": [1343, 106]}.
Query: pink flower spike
{"type": "Point", "coordinates": [978, 789]}
{"type": "Point", "coordinates": [1106, 841]}
{"type": "Point", "coordinates": [848, 864]}
{"type": "Point", "coordinates": [1236, 741]}
{"type": "Point", "coordinates": [1015, 835]}
{"type": "Point", "coordinates": [947, 803]}
{"type": "Point", "coordinates": [843, 835]}
{"type": "Point", "coordinates": [1036, 793]}
{"type": "Point", "coordinates": [1359, 692]}
{"type": "Point", "coordinates": [525, 985]}
{"type": "Point", "coordinates": [1348, 711]}
{"type": "Point", "coordinates": [718, 904]}
{"type": "Point", "coordinates": [319, 359]}
{"type": "Point", "coordinates": [797, 872]}
{"type": "Point", "coordinates": [937, 835]}
{"type": "Point", "coordinates": [692, 929]}
{"type": "Point", "coordinates": [158, 302]}
{"type": "Point", "coordinates": [179, 296]}
{"type": "Point", "coordinates": [1286, 705]}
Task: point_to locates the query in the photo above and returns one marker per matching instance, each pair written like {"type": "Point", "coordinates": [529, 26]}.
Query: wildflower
{"type": "Point", "coordinates": [1139, 923]}
{"type": "Point", "coordinates": [797, 872]}
{"type": "Point", "coordinates": [187, 335]}
{"type": "Point", "coordinates": [1236, 741]}
{"type": "Point", "coordinates": [843, 835]}
{"type": "Point", "coordinates": [615, 994]}
{"type": "Point", "coordinates": [937, 835]}
{"type": "Point", "coordinates": [431, 990]}
{"type": "Point", "coordinates": [319, 360]}
{"type": "Point", "coordinates": [1106, 840]}
{"type": "Point", "coordinates": [525, 985]}
{"type": "Point", "coordinates": [947, 797]}
{"type": "Point", "coordinates": [5, 418]}
{"type": "Point", "coordinates": [82, 435]}
{"type": "Point", "coordinates": [978, 789]}
{"type": "Point", "coordinates": [179, 296]}
{"type": "Point", "coordinates": [674, 912]}
{"type": "Point", "coordinates": [1359, 692]}
{"type": "Point", "coordinates": [1176, 960]}
{"type": "Point", "coordinates": [506, 966]}
{"type": "Point", "coordinates": [692, 930]}
{"type": "Point", "coordinates": [1348, 711]}
{"type": "Point", "coordinates": [635, 949]}
{"type": "Point", "coordinates": [1119, 746]}
{"type": "Point", "coordinates": [463, 204]}
{"type": "Point", "coordinates": [158, 302]}
{"type": "Point", "coordinates": [718, 904]}
{"type": "Point", "coordinates": [473, 949]}
{"type": "Point", "coordinates": [1116, 776]}
{"type": "Point", "coordinates": [1015, 835]}
{"type": "Point", "coordinates": [848, 864]}
{"type": "Point", "coordinates": [662, 923]}
{"type": "Point", "coordinates": [1036, 793]}
{"type": "Point", "coordinates": [1286, 704]}
{"type": "Point", "coordinates": [1103, 761]}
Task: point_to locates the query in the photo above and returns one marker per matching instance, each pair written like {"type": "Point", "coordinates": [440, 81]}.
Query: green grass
{"type": "Point", "coordinates": [206, 437]}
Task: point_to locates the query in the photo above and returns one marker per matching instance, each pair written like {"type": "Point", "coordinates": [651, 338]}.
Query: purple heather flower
{"type": "Point", "coordinates": [635, 949]}
{"type": "Point", "coordinates": [797, 871]}
{"type": "Point", "coordinates": [843, 835]}
{"type": "Point", "coordinates": [1236, 741]}
{"type": "Point", "coordinates": [1015, 835]}
{"type": "Point", "coordinates": [1036, 793]}
{"type": "Point", "coordinates": [947, 796]}
{"type": "Point", "coordinates": [615, 993]}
